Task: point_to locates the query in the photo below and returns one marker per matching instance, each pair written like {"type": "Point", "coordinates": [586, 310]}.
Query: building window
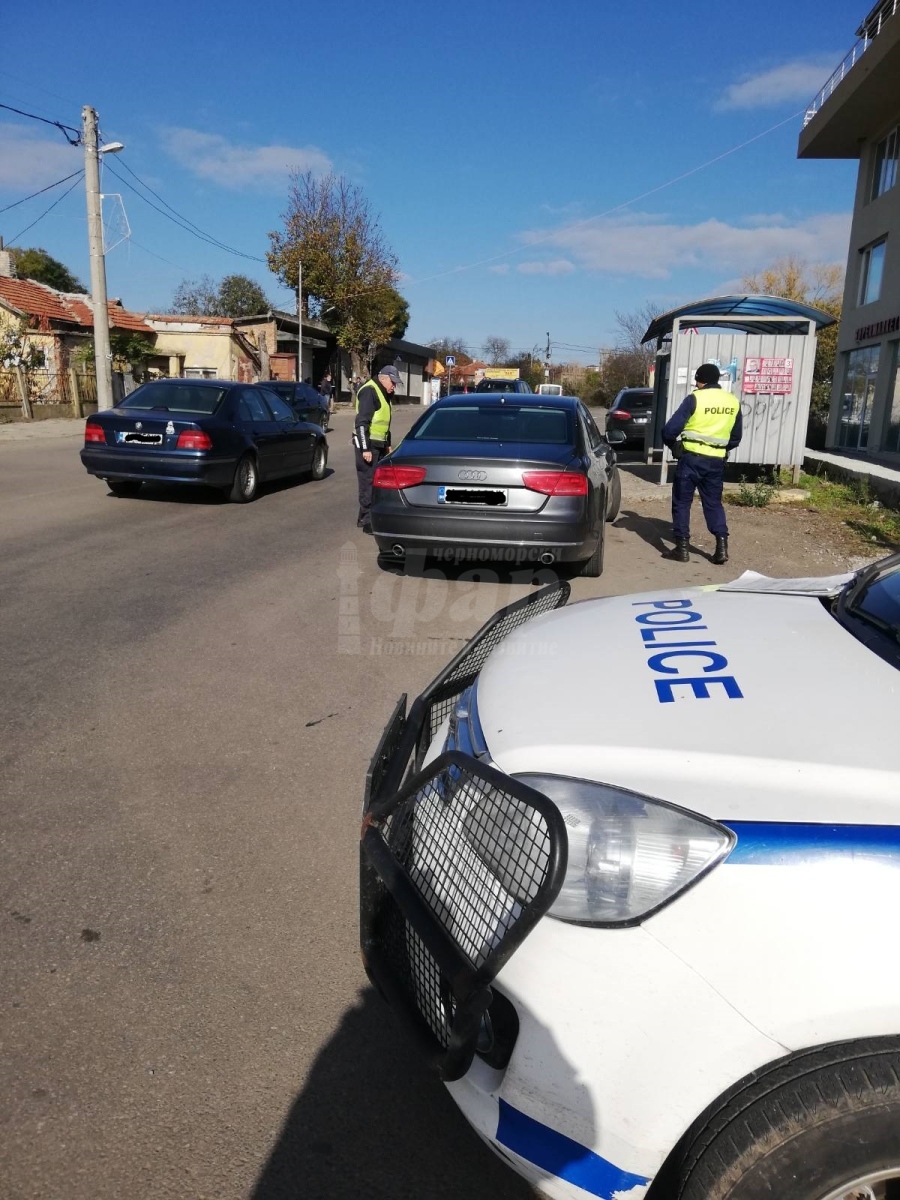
{"type": "Point", "coordinates": [872, 271]}
{"type": "Point", "coordinates": [885, 174]}
{"type": "Point", "coordinates": [201, 373]}
{"type": "Point", "coordinates": [892, 435]}
{"type": "Point", "coordinates": [856, 402]}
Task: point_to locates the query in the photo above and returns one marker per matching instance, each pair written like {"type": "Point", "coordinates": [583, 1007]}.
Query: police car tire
{"type": "Point", "coordinates": [614, 498]}
{"type": "Point", "coordinates": [823, 1119]}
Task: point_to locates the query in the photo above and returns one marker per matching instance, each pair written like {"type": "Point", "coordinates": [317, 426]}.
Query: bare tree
{"type": "Point", "coordinates": [496, 350]}
{"type": "Point", "coordinates": [457, 346]}
{"type": "Point", "coordinates": [196, 297]}
{"type": "Point", "coordinates": [349, 271]}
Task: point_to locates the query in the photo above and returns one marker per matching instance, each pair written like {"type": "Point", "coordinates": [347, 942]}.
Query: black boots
{"type": "Point", "coordinates": [721, 554]}
{"type": "Point", "coordinates": [679, 552]}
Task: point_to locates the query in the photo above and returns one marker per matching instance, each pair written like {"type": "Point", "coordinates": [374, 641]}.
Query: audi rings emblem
{"type": "Point", "coordinates": [478, 475]}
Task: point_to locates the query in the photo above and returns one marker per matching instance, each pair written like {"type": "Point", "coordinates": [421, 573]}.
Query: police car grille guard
{"type": "Point", "coordinates": [456, 869]}
{"type": "Point", "coordinates": [407, 737]}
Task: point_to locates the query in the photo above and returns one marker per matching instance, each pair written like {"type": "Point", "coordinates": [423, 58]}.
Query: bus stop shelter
{"type": "Point", "coordinates": [765, 349]}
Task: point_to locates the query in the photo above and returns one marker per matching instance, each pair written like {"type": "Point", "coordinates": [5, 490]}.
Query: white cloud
{"type": "Point", "coordinates": [797, 80]}
{"type": "Point", "coordinates": [31, 160]}
{"type": "Point", "coordinates": [556, 266]}
{"type": "Point", "coordinates": [212, 156]}
{"type": "Point", "coordinates": [656, 249]}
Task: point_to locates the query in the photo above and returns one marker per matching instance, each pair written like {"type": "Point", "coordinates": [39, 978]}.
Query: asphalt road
{"type": "Point", "coordinates": [191, 691]}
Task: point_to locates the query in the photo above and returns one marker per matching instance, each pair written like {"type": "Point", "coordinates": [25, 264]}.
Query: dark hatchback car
{"type": "Point", "coordinates": [231, 436]}
{"type": "Point", "coordinates": [521, 478]}
{"type": "Point", "coordinates": [307, 403]}
{"type": "Point", "coordinates": [630, 412]}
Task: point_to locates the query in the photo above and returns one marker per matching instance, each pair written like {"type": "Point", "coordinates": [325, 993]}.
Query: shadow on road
{"type": "Point", "coordinates": [417, 566]}
{"type": "Point", "coordinates": [652, 530]}
{"type": "Point", "coordinates": [174, 493]}
{"type": "Point", "coordinates": [372, 1122]}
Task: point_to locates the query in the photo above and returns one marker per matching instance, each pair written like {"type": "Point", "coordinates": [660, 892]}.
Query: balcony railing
{"type": "Point", "coordinates": [870, 29]}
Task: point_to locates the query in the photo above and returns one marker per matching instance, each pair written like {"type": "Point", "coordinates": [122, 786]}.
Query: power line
{"type": "Point", "coordinates": [65, 130]}
{"type": "Point", "coordinates": [181, 222]}
{"type": "Point", "coordinates": [549, 237]}
{"type": "Point", "coordinates": [49, 187]}
{"type": "Point", "coordinates": [13, 241]}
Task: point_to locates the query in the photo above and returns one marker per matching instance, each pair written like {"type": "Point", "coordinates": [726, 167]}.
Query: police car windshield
{"type": "Point", "coordinates": [496, 423]}
{"type": "Point", "coordinates": [879, 602]}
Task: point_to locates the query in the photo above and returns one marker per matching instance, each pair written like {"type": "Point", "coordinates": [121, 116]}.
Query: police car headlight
{"type": "Point", "coordinates": [628, 854]}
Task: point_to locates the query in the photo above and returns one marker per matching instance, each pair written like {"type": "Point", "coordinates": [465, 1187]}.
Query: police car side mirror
{"type": "Point", "coordinates": [616, 437]}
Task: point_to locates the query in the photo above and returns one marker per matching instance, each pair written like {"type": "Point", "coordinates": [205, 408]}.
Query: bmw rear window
{"type": "Point", "coordinates": [496, 423]}
{"type": "Point", "coordinates": [175, 397]}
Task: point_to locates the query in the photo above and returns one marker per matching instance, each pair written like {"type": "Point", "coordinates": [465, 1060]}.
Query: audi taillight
{"type": "Point", "coordinates": [621, 414]}
{"type": "Point", "coordinates": [193, 439]}
{"type": "Point", "coordinates": [396, 478]}
{"type": "Point", "coordinates": [94, 434]}
{"type": "Point", "coordinates": [556, 483]}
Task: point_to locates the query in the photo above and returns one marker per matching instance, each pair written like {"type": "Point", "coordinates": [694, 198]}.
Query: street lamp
{"type": "Point", "coordinates": [102, 350]}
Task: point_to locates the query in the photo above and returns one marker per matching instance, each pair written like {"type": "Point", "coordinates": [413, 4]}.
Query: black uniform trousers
{"type": "Point", "coordinates": [705, 474]}
{"type": "Point", "coordinates": [365, 472]}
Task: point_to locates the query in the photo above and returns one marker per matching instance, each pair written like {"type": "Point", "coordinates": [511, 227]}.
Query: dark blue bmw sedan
{"type": "Point", "coordinates": [231, 436]}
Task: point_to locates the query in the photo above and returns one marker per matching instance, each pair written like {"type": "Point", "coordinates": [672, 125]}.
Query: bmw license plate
{"type": "Point", "coordinates": [139, 439]}
{"type": "Point", "coordinates": [491, 497]}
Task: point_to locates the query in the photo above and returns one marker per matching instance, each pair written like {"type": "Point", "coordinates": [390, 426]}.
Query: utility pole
{"type": "Point", "coordinates": [102, 351]}
{"type": "Point", "coordinates": [299, 321]}
{"type": "Point", "coordinates": [547, 360]}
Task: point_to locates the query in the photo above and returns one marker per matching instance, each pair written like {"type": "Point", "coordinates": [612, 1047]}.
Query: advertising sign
{"type": "Point", "coordinates": [768, 376]}
{"type": "Point", "coordinates": [501, 372]}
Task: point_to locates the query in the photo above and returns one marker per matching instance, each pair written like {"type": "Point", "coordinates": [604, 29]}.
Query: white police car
{"type": "Point", "coordinates": [631, 872]}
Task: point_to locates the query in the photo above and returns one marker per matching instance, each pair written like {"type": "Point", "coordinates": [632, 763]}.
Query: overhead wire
{"type": "Point", "coordinates": [181, 222]}
{"type": "Point", "coordinates": [48, 188]}
{"type": "Point", "coordinates": [65, 130]}
{"type": "Point", "coordinates": [58, 200]}
{"type": "Point", "coordinates": [553, 234]}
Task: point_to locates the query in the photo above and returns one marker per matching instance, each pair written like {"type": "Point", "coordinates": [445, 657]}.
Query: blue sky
{"type": "Point", "coordinates": [491, 138]}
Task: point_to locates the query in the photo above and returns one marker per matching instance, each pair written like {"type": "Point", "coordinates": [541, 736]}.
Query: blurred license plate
{"type": "Point", "coordinates": [140, 439]}
{"type": "Point", "coordinates": [641, 420]}
{"type": "Point", "coordinates": [489, 496]}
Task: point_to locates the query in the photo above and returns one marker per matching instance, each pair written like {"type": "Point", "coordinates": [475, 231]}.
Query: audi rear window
{"type": "Point", "coordinates": [496, 423]}
{"type": "Point", "coordinates": [175, 397]}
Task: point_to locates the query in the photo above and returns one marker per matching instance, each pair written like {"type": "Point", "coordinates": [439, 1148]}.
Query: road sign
{"type": "Point", "coordinates": [450, 360]}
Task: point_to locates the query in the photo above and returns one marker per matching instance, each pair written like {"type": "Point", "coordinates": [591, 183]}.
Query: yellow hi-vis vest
{"type": "Point", "coordinates": [381, 420]}
{"type": "Point", "coordinates": [707, 431]}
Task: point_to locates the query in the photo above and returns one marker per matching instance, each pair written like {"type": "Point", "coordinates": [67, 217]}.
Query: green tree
{"type": "Point", "coordinates": [822, 286]}
{"type": "Point", "coordinates": [130, 351]}
{"type": "Point", "coordinates": [233, 296]}
{"type": "Point", "coordinates": [349, 271]}
{"type": "Point", "coordinates": [398, 312]}
{"type": "Point", "coordinates": [38, 265]}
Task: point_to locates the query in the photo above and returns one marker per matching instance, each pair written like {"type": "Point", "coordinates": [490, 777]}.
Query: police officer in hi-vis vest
{"type": "Point", "coordinates": [372, 434]}
{"type": "Point", "coordinates": [707, 424]}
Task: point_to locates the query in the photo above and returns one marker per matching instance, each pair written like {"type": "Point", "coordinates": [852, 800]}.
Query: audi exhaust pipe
{"type": "Point", "coordinates": [547, 558]}
{"type": "Point", "coordinates": [398, 551]}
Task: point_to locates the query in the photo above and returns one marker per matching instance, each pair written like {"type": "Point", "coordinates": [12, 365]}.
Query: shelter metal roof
{"type": "Point", "coordinates": [755, 315]}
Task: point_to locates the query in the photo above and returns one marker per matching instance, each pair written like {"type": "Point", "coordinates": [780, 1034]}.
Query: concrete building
{"type": "Point", "coordinates": [857, 115]}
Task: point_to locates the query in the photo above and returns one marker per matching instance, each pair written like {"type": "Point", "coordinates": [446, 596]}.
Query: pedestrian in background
{"type": "Point", "coordinates": [372, 435]}
{"type": "Point", "coordinates": [705, 426]}
{"type": "Point", "coordinates": [326, 391]}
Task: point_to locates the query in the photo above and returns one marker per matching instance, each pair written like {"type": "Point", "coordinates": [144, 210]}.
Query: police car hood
{"type": "Point", "coordinates": [729, 703]}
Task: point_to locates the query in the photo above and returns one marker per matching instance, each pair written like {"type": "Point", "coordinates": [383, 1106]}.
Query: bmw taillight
{"type": "Point", "coordinates": [193, 439]}
{"type": "Point", "coordinates": [94, 435]}
{"type": "Point", "coordinates": [556, 483]}
{"type": "Point", "coordinates": [396, 478]}
{"type": "Point", "coordinates": [621, 414]}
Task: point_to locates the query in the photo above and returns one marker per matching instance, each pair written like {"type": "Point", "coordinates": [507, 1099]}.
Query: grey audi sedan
{"type": "Point", "coordinates": [510, 477]}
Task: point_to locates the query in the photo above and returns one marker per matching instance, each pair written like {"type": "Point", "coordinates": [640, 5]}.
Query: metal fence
{"type": "Point", "coordinates": [871, 30]}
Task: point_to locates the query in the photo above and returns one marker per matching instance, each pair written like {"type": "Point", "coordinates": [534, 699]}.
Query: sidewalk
{"type": "Point", "coordinates": [55, 427]}
{"type": "Point", "coordinates": [883, 481]}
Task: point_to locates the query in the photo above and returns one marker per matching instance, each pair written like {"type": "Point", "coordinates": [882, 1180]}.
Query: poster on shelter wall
{"type": "Point", "coordinates": [768, 376]}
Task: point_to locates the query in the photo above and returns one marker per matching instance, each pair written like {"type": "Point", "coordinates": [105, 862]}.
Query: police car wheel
{"type": "Point", "coordinates": [821, 1127]}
